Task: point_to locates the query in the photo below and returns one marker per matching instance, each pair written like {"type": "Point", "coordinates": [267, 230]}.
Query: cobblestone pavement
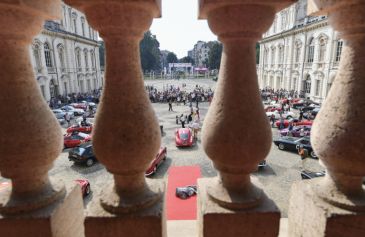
{"type": "Point", "coordinates": [276, 179]}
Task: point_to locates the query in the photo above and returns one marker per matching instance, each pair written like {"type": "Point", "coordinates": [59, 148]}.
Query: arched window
{"type": "Point", "coordinates": [78, 58]}
{"type": "Point", "coordinates": [318, 87]}
{"type": "Point", "coordinates": [47, 54]}
{"type": "Point", "coordinates": [322, 50]}
{"type": "Point", "coordinates": [307, 84]}
{"type": "Point", "coordinates": [338, 50]}
{"type": "Point", "coordinates": [83, 26]}
{"type": "Point", "coordinates": [266, 56]}
{"type": "Point", "coordinates": [86, 58]}
{"type": "Point", "coordinates": [61, 55]}
{"type": "Point", "coordinates": [310, 55]}
{"type": "Point", "coordinates": [37, 56]}
{"type": "Point", "coordinates": [74, 20]}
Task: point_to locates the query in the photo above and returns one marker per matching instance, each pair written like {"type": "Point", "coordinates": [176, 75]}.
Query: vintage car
{"type": "Point", "coordinates": [80, 128]}
{"type": "Point", "coordinates": [295, 122]}
{"type": "Point", "coordinates": [286, 114]}
{"type": "Point", "coordinates": [296, 131]}
{"type": "Point", "coordinates": [79, 106]}
{"type": "Point", "coordinates": [184, 137]}
{"type": "Point", "coordinates": [75, 139]}
{"type": "Point", "coordinates": [272, 108]}
{"type": "Point", "coordinates": [74, 111]}
{"type": "Point", "coordinates": [85, 186]}
{"type": "Point", "coordinates": [159, 159]}
{"type": "Point", "coordinates": [293, 143]}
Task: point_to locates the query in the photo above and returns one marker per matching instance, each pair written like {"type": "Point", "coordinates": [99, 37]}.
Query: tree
{"type": "Point", "coordinates": [150, 52]}
{"type": "Point", "coordinates": [171, 58]}
{"type": "Point", "coordinates": [215, 55]}
{"type": "Point", "coordinates": [187, 59]}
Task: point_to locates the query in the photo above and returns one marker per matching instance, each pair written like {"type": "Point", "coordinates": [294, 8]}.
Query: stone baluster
{"type": "Point", "coordinates": [30, 139]}
{"type": "Point", "coordinates": [236, 133]}
{"type": "Point", "coordinates": [335, 204]}
{"type": "Point", "coordinates": [126, 137]}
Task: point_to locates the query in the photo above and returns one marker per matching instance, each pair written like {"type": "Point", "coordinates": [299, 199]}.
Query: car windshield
{"type": "Point", "coordinates": [184, 136]}
{"type": "Point", "coordinates": [79, 150]}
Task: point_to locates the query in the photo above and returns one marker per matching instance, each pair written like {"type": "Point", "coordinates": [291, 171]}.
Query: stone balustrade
{"type": "Point", "coordinates": [232, 204]}
{"type": "Point", "coordinates": [34, 205]}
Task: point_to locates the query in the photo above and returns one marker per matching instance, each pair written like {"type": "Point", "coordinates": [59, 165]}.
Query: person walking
{"type": "Point", "coordinates": [303, 156]}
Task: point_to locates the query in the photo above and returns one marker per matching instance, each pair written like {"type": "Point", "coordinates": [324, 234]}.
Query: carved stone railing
{"type": "Point", "coordinates": [126, 137]}
{"type": "Point", "coordinates": [34, 205]}
{"type": "Point", "coordinates": [335, 205]}
{"type": "Point", "coordinates": [230, 204]}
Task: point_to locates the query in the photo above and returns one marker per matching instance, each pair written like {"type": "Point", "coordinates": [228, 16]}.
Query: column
{"type": "Point", "coordinates": [126, 137]}
{"type": "Point", "coordinates": [335, 204]}
{"type": "Point", "coordinates": [31, 138]}
{"type": "Point", "coordinates": [232, 204]}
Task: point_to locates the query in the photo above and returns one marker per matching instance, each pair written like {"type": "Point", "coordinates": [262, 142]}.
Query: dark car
{"type": "Point", "coordinates": [186, 192]}
{"type": "Point", "coordinates": [293, 143]}
{"type": "Point", "coordinates": [83, 154]}
{"type": "Point", "coordinates": [310, 175]}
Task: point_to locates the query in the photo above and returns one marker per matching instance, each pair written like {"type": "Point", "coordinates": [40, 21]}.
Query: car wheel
{"type": "Point", "coordinates": [89, 162]}
{"type": "Point", "coordinates": [87, 190]}
{"type": "Point", "coordinates": [281, 146]}
{"type": "Point", "coordinates": [313, 155]}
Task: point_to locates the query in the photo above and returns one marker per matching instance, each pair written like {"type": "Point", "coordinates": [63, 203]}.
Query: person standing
{"type": "Point", "coordinates": [170, 106]}
{"type": "Point", "coordinates": [303, 156]}
{"type": "Point", "coordinates": [300, 115]}
{"type": "Point", "coordinates": [68, 118]}
{"type": "Point", "coordinates": [182, 120]}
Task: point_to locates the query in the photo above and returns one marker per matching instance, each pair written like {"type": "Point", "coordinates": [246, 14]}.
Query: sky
{"type": "Point", "coordinates": [179, 28]}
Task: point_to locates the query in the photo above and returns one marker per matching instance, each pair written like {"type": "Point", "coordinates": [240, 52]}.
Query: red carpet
{"type": "Point", "coordinates": [178, 209]}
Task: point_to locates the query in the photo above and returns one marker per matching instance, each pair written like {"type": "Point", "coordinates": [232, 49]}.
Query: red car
{"type": "Point", "coordinates": [75, 139]}
{"type": "Point", "coordinates": [80, 128]}
{"type": "Point", "coordinates": [159, 159]}
{"type": "Point", "coordinates": [296, 122]}
{"type": "Point", "coordinates": [79, 106]}
{"type": "Point", "coordinates": [85, 186]}
{"type": "Point", "coordinates": [272, 108]}
{"type": "Point", "coordinates": [184, 137]}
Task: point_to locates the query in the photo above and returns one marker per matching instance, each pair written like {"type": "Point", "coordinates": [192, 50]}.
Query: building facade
{"type": "Point", "coordinates": [200, 53]}
{"type": "Point", "coordinates": [65, 56]}
{"type": "Point", "coordinates": [299, 53]}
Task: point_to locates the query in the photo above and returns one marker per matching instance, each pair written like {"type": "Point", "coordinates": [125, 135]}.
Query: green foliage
{"type": "Point", "coordinates": [150, 52]}
{"type": "Point", "coordinates": [187, 59]}
{"type": "Point", "coordinates": [171, 58]}
{"type": "Point", "coordinates": [215, 55]}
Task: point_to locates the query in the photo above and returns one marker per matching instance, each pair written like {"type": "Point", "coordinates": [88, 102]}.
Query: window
{"type": "Point", "coordinates": [307, 85]}
{"type": "Point", "coordinates": [83, 26]}
{"type": "Point", "coordinates": [273, 56]}
{"type": "Point", "coordinates": [61, 56]}
{"type": "Point", "coordinates": [47, 54]}
{"type": "Point", "coordinates": [310, 55]}
{"type": "Point", "coordinates": [274, 26]}
{"type": "Point", "coordinates": [297, 53]}
{"type": "Point", "coordinates": [281, 54]}
{"type": "Point", "coordinates": [86, 59]}
{"type": "Point", "coordinates": [78, 58]}
{"type": "Point", "coordinates": [339, 50]}
{"type": "Point", "coordinates": [318, 87]}
{"type": "Point", "coordinates": [92, 58]}
{"type": "Point", "coordinates": [37, 56]}
{"type": "Point", "coordinates": [90, 32]}
{"type": "Point", "coordinates": [74, 20]}
{"type": "Point", "coordinates": [283, 20]}
{"type": "Point", "coordinates": [322, 50]}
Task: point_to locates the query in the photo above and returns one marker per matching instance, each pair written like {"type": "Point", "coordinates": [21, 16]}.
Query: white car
{"type": "Point", "coordinates": [74, 111]}
{"type": "Point", "coordinates": [286, 115]}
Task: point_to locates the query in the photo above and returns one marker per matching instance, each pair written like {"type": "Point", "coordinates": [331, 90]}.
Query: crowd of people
{"type": "Point", "coordinates": [177, 94]}
{"type": "Point", "coordinates": [60, 100]}
{"type": "Point", "coordinates": [271, 94]}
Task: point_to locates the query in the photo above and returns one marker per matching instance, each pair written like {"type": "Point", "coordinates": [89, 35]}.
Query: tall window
{"type": "Point", "coordinates": [297, 53]}
{"type": "Point", "coordinates": [281, 54]}
{"type": "Point", "coordinates": [86, 59]}
{"type": "Point", "coordinates": [274, 27]}
{"type": "Point", "coordinates": [322, 50]}
{"type": "Point", "coordinates": [37, 55]}
{"type": "Point", "coordinates": [47, 54]}
{"type": "Point", "coordinates": [78, 58]}
{"type": "Point", "coordinates": [74, 20]}
{"type": "Point", "coordinates": [273, 56]}
{"type": "Point", "coordinates": [307, 85]}
{"type": "Point", "coordinates": [310, 55]}
{"type": "Point", "coordinates": [338, 50]}
{"type": "Point", "coordinates": [83, 26]}
{"type": "Point", "coordinates": [92, 56]}
{"type": "Point", "coordinates": [90, 32]}
{"type": "Point", "coordinates": [266, 56]}
{"type": "Point", "coordinates": [283, 20]}
{"type": "Point", "coordinates": [61, 56]}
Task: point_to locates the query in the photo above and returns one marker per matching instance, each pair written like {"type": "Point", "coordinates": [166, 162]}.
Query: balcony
{"type": "Point", "coordinates": [230, 204]}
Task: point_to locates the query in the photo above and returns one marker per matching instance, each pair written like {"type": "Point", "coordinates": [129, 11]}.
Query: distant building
{"type": "Point", "coordinates": [65, 56]}
{"type": "Point", "coordinates": [299, 53]}
{"type": "Point", "coordinates": [200, 53]}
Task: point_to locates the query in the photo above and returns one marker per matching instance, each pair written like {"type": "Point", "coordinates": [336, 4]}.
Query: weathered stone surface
{"type": "Point", "coordinates": [311, 216]}
{"type": "Point", "coordinates": [63, 218]}
{"type": "Point", "coordinates": [145, 222]}
{"type": "Point", "coordinates": [216, 221]}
